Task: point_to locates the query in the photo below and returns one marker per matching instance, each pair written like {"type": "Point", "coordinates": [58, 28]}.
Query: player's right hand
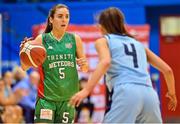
{"type": "Point", "coordinates": [26, 39]}
{"type": "Point", "coordinates": [78, 97]}
{"type": "Point", "coordinates": [172, 104]}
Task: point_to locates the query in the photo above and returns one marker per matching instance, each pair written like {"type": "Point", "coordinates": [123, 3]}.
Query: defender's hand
{"type": "Point", "coordinates": [78, 97]}
{"type": "Point", "coordinates": [172, 104]}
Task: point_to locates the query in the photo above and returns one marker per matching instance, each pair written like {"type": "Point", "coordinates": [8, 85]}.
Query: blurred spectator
{"type": "Point", "coordinates": [85, 109]}
{"type": "Point", "coordinates": [28, 102]}
{"type": "Point", "coordinates": [12, 113]}
{"type": "Point", "coordinates": [18, 74]}
{"type": "Point", "coordinates": [1, 107]}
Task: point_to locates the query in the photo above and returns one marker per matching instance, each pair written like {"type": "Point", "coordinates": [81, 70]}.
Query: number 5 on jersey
{"type": "Point", "coordinates": [61, 73]}
{"type": "Point", "coordinates": [65, 117]}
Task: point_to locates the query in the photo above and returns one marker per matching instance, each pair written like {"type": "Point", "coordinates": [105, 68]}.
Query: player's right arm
{"type": "Point", "coordinates": [163, 67]}
{"type": "Point", "coordinates": [103, 65]}
{"type": "Point", "coordinates": [37, 40]}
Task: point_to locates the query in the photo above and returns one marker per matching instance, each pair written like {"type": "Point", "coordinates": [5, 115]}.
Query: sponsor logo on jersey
{"type": "Point", "coordinates": [46, 114]}
{"type": "Point", "coordinates": [68, 45]}
{"type": "Point", "coordinates": [50, 48]}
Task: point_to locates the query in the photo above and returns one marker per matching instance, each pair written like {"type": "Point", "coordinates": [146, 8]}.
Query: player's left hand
{"type": "Point", "coordinates": [78, 97]}
{"type": "Point", "coordinates": [83, 64]}
{"type": "Point", "coordinates": [172, 104]}
{"type": "Point", "coordinates": [81, 61]}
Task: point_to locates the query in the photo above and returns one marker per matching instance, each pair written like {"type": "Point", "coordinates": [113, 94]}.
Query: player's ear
{"type": "Point", "coordinates": [50, 20]}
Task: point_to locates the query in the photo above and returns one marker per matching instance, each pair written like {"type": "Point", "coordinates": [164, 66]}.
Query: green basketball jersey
{"type": "Point", "coordinates": [59, 76]}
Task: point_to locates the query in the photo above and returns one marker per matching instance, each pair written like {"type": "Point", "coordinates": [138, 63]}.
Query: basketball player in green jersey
{"type": "Point", "coordinates": [59, 76]}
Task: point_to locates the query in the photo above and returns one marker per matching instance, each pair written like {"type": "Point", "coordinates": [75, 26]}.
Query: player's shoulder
{"type": "Point", "coordinates": [39, 36]}
{"type": "Point", "coordinates": [102, 39]}
{"type": "Point", "coordinates": [72, 35]}
{"type": "Point", "coordinates": [38, 39]}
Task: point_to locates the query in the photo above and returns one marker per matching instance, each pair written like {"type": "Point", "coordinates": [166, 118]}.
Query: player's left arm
{"type": "Point", "coordinates": [81, 57]}
{"type": "Point", "coordinates": [163, 67]}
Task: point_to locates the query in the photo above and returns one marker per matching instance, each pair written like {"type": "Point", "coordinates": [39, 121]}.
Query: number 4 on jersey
{"type": "Point", "coordinates": [131, 53]}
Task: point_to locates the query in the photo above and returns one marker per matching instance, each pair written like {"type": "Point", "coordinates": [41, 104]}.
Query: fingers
{"type": "Point", "coordinates": [75, 101]}
{"type": "Point", "coordinates": [81, 61]}
{"type": "Point", "coordinates": [26, 39]}
{"type": "Point", "coordinates": [78, 97]}
{"type": "Point", "coordinates": [72, 102]}
{"type": "Point", "coordinates": [83, 64]}
{"type": "Point", "coordinates": [172, 104]}
{"type": "Point", "coordinates": [31, 38]}
{"type": "Point", "coordinates": [78, 102]}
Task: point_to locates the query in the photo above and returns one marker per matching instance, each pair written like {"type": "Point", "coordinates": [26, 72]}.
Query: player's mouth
{"type": "Point", "coordinates": [63, 25]}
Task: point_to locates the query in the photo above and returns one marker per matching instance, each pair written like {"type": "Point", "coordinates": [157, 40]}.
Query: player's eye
{"type": "Point", "coordinates": [60, 16]}
{"type": "Point", "coordinates": [67, 16]}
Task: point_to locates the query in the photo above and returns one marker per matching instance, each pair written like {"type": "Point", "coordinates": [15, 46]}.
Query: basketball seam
{"type": "Point", "coordinates": [31, 60]}
{"type": "Point", "coordinates": [26, 47]}
{"type": "Point", "coordinates": [38, 47]}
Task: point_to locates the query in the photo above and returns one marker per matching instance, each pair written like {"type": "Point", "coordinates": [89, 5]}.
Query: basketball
{"type": "Point", "coordinates": [32, 55]}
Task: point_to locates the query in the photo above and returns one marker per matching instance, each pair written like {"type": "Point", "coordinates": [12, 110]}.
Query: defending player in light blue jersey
{"type": "Point", "coordinates": [124, 60]}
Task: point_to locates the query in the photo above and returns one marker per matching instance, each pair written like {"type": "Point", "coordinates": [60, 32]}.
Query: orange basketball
{"type": "Point", "coordinates": [32, 55]}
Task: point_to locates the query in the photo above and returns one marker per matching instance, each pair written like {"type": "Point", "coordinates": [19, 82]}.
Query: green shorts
{"type": "Point", "coordinates": [53, 112]}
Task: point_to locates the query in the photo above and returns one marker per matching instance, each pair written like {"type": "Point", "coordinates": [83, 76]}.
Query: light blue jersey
{"type": "Point", "coordinates": [133, 98]}
{"type": "Point", "coordinates": [128, 61]}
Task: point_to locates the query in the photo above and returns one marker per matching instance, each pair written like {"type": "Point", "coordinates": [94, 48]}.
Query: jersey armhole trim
{"type": "Point", "coordinates": [43, 39]}
{"type": "Point", "coordinates": [73, 37]}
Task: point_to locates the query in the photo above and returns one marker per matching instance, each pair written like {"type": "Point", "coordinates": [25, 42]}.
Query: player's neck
{"type": "Point", "coordinates": [57, 35]}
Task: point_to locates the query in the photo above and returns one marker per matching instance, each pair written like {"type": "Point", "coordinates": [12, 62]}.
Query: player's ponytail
{"type": "Point", "coordinates": [48, 26]}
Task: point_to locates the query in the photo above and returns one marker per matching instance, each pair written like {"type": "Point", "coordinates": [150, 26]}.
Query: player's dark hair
{"type": "Point", "coordinates": [112, 19]}
{"type": "Point", "coordinates": [51, 14]}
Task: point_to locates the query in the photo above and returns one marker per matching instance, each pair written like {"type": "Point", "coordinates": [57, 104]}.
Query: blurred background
{"type": "Point", "coordinates": [155, 23]}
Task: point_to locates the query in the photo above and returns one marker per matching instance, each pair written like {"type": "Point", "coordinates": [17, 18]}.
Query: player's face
{"type": "Point", "coordinates": [61, 19]}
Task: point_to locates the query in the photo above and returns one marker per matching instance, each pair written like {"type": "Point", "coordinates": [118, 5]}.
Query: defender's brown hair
{"type": "Point", "coordinates": [112, 19]}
